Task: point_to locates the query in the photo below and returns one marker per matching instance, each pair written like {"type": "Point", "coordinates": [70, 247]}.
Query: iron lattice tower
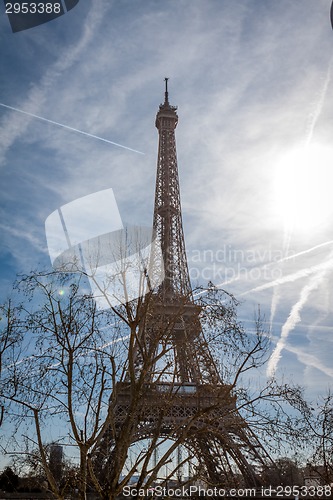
{"type": "Point", "coordinates": [223, 444]}
{"type": "Point", "coordinates": [173, 299]}
{"type": "Point", "coordinates": [167, 210]}
{"type": "Point", "coordinates": [223, 439]}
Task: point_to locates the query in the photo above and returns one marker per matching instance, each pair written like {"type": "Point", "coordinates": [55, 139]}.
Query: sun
{"type": "Point", "coordinates": [303, 188]}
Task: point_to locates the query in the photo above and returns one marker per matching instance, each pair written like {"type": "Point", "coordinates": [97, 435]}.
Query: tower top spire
{"type": "Point", "coordinates": [166, 94]}
{"type": "Point", "coordinates": [166, 107]}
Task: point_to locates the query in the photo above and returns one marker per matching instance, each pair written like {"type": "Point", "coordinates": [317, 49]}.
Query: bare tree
{"type": "Point", "coordinates": [10, 338]}
{"type": "Point", "coordinates": [241, 355]}
{"type": "Point", "coordinates": [68, 362]}
{"type": "Point", "coordinates": [320, 439]}
{"type": "Point", "coordinates": [107, 382]}
{"type": "Point", "coordinates": [62, 377]}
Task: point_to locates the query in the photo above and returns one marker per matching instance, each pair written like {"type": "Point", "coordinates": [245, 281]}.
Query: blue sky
{"type": "Point", "coordinates": [253, 83]}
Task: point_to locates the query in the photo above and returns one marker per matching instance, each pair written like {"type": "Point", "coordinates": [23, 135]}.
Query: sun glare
{"type": "Point", "coordinates": [303, 187]}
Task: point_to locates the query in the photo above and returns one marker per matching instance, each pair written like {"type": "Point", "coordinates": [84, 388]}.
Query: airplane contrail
{"type": "Point", "coordinates": [274, 304]}
{"type": "Point", "coordinates": [292, 320]}
{"type": "Point", "coordinates": [294, 276]}
{"type": "Point", "coordinates": [304, 252]}
{"type": "Point", "coordinates": [310, 360]}
{"type": "Point", "coordinates": [303, 273]}
{"type": "Point", "coordinates": [290, 277]}
{"type": "Point", "coordinates": [319, 104]}
{"type": "Point", "coordinates": [276, 293]}
{"type": "Point", "coordinates": [70, 128]}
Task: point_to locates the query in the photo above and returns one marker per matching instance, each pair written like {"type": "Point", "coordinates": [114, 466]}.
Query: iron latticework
{"type": "Point", "coordinates": [189, 387]}
{"type": "Point", "coordinates": [167, 224]}
{"type": "Point", "coordinates": [172, 303]}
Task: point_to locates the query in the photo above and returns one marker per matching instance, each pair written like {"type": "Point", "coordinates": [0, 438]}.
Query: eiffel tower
{"type": "Point", "coordinates": [226, 450]}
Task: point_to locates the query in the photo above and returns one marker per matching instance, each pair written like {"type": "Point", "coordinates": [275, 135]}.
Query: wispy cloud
{"type": "Point", "coordinates": [245, 76]}
{"type": "Point", "coordinates": [25, 234]}
{"type": "Point", "coordinates": [12, 126]}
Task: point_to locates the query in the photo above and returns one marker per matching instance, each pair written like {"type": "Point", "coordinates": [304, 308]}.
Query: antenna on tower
{"type": "Point", "coordinates": [166, 99]}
